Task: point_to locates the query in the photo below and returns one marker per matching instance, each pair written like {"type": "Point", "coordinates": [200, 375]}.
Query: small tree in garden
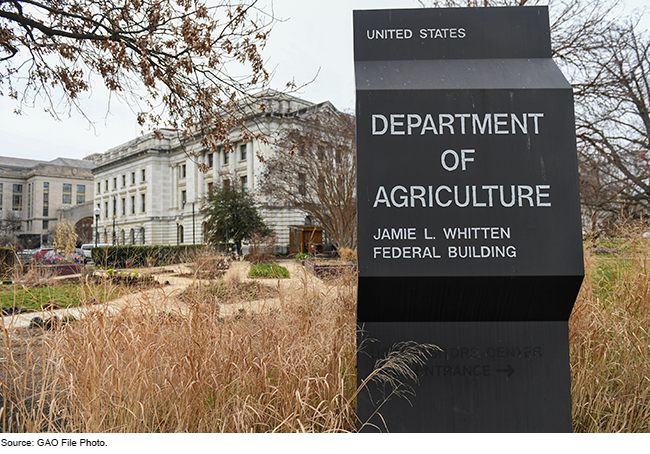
{"type": "Point", "coordinates": [231, 216]}
{"type": "Point", "coordinates": [65, 239]}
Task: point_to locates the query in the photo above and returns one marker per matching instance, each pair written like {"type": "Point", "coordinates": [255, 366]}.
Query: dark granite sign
{"type": "Point", "coordinates": [468, 191]}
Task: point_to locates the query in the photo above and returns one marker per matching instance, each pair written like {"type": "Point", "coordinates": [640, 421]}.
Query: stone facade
{"type": "Point", "coordinates": [150, 190]}
{"type": "Point", "coordinates": [32, 193]}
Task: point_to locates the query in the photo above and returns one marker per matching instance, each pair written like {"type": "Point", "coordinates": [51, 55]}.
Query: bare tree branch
{"type": "Point", "coordinates": [314, 170]}
{"type": "Point", "coordinates": [174, 61]}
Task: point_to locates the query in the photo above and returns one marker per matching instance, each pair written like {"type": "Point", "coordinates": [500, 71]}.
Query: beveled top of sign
{"type": "Point", "coordinates": [452, 33]}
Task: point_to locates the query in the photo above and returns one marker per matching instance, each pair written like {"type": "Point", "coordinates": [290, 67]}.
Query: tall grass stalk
{"type": "Point", "coordinates": [610, 343]}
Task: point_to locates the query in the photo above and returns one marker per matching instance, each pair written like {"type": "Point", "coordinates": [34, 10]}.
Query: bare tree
{"type": "Point", "coordinates": [9, 227]}
{"type": "Point", "coordinates": [613, 123]}
{"type": "Point", "coordinates": [314, 170]}
{"type": "Point", "coordinates": [605, 58]}
{"type": "Point", "coordinates": [184, 64]}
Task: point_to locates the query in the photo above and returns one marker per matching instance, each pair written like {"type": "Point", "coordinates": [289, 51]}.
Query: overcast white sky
{"type": "Point", "coordinates": [315, 38]}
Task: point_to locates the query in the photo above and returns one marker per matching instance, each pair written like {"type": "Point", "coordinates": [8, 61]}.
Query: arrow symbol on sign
{"type": "Point", "coordinates": [509, 371]}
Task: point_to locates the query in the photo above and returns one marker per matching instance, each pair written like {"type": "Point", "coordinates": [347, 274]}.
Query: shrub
{"type": "Point", "coordinates": [268, 270]}
{"type": "Point", "coordinates": [348, 254]}
{"type": "Point", "coordinates": [7, 261]}
{"type": "Point", "coordinates": [261, 248]}
{"type": "Point", "coordinates": [140, 256]}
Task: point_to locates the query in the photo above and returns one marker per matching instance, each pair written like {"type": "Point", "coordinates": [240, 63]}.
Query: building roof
{"type": "Point", "coordinates": [265, 104]}
{"type": "Point", "coordinates": [6, 161]}
{"type": "Point", "coordinates": [67, 162]}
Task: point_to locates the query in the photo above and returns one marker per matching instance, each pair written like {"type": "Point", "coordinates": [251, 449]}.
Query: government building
{"type": "Point", "coordinates": [34, 195]}
{"type": "Point", "coordinates": [149, 191]}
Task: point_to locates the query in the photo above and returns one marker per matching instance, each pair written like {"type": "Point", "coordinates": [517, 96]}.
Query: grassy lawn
{"type": "Point", "coordinates": [63, 295]}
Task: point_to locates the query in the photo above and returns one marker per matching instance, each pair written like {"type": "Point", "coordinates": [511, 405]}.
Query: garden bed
{"type": "Point", "coordinates": [16, 299]}
{"type": "Point", "coordinates": [61, 270]}
{"type": "Point", "coordinates": [268, 271]}
{"type": "Point", "coordinates": [328, 268]}
{"type": "Point", "coordinates": [132, 280]}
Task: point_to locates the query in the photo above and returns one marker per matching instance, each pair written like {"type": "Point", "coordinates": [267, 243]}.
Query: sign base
{"type": "Point", "coordinates": [487, 377]}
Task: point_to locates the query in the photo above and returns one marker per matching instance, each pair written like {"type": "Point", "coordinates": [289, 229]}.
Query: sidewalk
{"type": "Point", "coordinates": [171, 285]}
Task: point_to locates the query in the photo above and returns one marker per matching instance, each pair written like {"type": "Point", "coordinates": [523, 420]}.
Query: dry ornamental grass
{"type": "Point", "coordinates": [610, 343]}
{"type": "Point", "coordinates": [290, 366]}
{"type": "Point", "coordinates": [285, 370]}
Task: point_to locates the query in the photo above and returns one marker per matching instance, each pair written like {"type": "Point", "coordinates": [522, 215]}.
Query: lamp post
{"type": "Point", "coordinates": [97, 212]}
{"type": "Point", "coordinates": [114, 216]}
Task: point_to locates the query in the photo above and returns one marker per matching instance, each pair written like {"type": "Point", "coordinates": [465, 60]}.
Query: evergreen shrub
{"type": "Point", "coordinates": [141, 256]}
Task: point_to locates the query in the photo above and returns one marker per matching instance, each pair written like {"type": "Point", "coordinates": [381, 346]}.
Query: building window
{"type": "Point", "coordinates": [29, 202]}
{"type": "Point", "coordinates": [114, 206]}
{"type": "Point", "coordinates": [142, 235]}
{"type": "Point", "coordinates": [182, 171]}
{"type": "Point", "coordinates": [132, 177]}
{"type": "Point", "coordinates": [123, 180]}
{"type": "Point", "coordinates": [114, 182]}
{"type": "Point", "coordinates": [17, 199]}
{"type": "Point", "coordinates": [226, 158]}
{"type": "Point", "coordinates": [132, 237]}
{"type": "Point", "coordinates": [123, 206]}
{"type": "Point", "coordinates": [106, 185]}
{"type": "Point", "coordinates": [132, 204]}
{"type": "Point", "coordinates": [143, 205]}
{"type": "Point", "coordinates": [46, 225]}
{"type": "Point", "coordinates": [210, 186]}
{"type": "Point", "coordinates": [210, 160]}
{"type": "Point", "coordinates": [179, 234]}
{"type": "Point", "coordinates": [183, 198]}
{"type": "Point", "coordinates": [105, 210]}
{"type": "Point", "coordinates": [243, 153]}
{"type": "Point", "coordinates": [81, 193]}
{"type": "Point", "coordinates": [46, 199]}
{"type": "Point", "coordinates": [0, 198]}
{"type": "Point", "coordinates": [99, 188]}
{"type": "Point", "coordinates": [226, 183]}
{"type": "Point", "coordinates": [67, 194]}
{"type": "Point", "coordinates": [244, 181]}
{"type": "Point", "coordinates": [144, 174]}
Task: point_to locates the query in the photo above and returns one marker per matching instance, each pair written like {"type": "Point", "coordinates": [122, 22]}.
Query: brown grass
{"type": "Point", "coordinates": [282, 371]}
{"type": "Point", "coordinates": [610, 343]}
{"type": "Point", "coordinates": [291, 367]}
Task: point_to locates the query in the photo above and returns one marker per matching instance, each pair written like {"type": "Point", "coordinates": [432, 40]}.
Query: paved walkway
{"type": "Point", "coordinates": [174, 280]}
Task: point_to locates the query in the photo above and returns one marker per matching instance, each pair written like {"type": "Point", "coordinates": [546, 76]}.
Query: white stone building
{"type": "Point", "coordinates": [150, 190]}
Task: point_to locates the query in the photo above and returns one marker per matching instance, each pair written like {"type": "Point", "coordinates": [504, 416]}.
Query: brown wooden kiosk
{"type": "Point", "coordinates": [305, 238]}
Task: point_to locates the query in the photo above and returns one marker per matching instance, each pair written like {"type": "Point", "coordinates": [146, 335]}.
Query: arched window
{"type": "Point", "coordinates": [142, 235]}
{"type": "Point", "coordinates": [179, 234]}
{"type": "Point", "coordinates": [132, 235]}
